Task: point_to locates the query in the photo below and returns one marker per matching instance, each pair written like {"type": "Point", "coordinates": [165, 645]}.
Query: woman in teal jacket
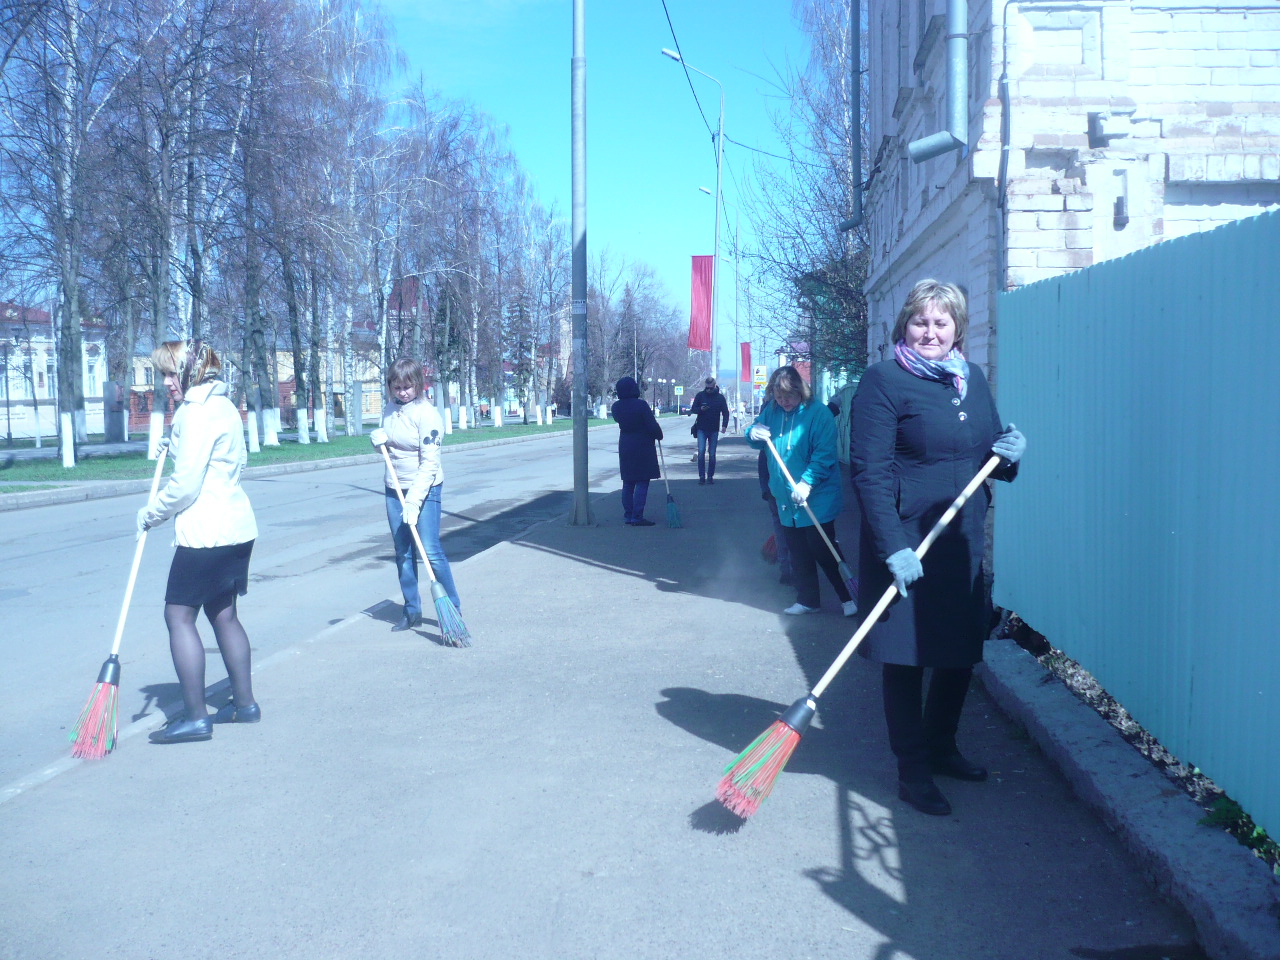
{"type": "Point", "coordinates": [804, 433]}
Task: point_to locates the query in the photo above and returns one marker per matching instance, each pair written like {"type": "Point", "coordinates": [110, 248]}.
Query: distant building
{"type": "Point", "coordinates": [1129, 122]}
{"type": "Point", "coordinates": [29, 365]}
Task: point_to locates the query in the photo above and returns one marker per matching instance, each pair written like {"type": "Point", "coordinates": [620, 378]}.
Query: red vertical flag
{"type": "Point", "coordinates": [745, 376]}
{"type": "Point", "coordinates": [700, 304]}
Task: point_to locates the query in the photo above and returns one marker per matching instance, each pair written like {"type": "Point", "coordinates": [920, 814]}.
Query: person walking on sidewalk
{"type": "Point", "coordinates": [711, 411]}
{"type": "Point", "coordinates": [923, 424]}
{"type": "Point", "coordinates": [638, 433]}
{"type": "Point", "coordinates": [804, 433]}
{"type": "Point", "coordinates": [213, 530]}
{"type": "Point", "coordinates": [413, 432]}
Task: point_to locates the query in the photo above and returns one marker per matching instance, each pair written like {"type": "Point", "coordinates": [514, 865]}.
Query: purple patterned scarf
{"type": "Point", "coordinates": [953, 368]}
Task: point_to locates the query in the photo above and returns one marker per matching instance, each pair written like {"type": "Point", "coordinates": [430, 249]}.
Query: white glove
{"type": "Point", "coordinates": [759, 433]}
{"type": "Point", "coordinates": [1011, 444]}
{"type": "Point", "coordinates": [411, 511]}
{"type": "Point", "coordinates": [378, 437]}
{"type": "Point", "coordinates": [800, 493]}
{"type": "Point", "coordinates": [143, 527]}
{"type": "Point", "coordinates": [905, 567]}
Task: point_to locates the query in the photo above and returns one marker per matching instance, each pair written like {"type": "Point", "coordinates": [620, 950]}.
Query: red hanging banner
{"type": "Point", "coordinates": [700, 304]}
{"type": "Point", "coordinates": [745, 375]}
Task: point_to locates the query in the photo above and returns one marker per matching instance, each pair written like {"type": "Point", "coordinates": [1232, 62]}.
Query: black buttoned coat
{"type": "Point", "coordinates": [638, 431]}
{"type": "Point", "coordinates": [915, 445]}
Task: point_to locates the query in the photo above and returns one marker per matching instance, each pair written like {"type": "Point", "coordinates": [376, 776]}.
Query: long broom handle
{"type": "Point", "coordinates": [137, 551]}
{"type": "Point", "coordinates": [413, 528]}
{"type": "Point", "coordinates": [664, 468]}
{"type": "Point", "coordinates": [791, 480]}
{"type": "Point", "coordinates": [883, 603]}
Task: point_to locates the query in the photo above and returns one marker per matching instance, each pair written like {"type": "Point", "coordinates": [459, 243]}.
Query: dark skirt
{"type": "Point", "coordinates": [199, 575]}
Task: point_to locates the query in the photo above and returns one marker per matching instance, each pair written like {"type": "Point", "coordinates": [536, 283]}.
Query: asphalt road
{"type": "Point", "coordinates": [323, 553]}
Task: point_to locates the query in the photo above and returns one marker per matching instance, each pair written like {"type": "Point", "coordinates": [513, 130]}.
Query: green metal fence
{"type": "Point", "coordinates": [1142, 536]}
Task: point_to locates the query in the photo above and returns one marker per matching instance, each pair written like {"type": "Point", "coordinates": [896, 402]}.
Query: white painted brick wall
{"type": "Point", "coordinates": [1197, 91]}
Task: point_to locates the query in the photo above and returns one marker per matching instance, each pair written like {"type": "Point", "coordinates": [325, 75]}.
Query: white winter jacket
{"type": "Point", "coordinates": [204, 492]}
{"type": "Point", "coordinates": [414, 435]}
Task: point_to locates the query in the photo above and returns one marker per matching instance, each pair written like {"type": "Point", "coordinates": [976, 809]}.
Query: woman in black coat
{"type": "Point", "coordinates": [923, 424]}
{"type": "Point", "coordinates": [637, 453]}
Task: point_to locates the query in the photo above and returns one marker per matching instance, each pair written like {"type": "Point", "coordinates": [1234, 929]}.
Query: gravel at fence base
{"type": "Point", "coordinates": [1230, 895]}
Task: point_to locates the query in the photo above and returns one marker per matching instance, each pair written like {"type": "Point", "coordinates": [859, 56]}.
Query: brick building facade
{"type": "Point", "coordinates": [1129, 122]}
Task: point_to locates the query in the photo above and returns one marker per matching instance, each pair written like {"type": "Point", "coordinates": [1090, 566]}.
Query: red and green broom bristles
{"type": "Point", "coordinates": [94, 735]}
{"type": "Point", "coordinates": [452, 630]}
{"type": "Point", "coordinates": [749, 780]}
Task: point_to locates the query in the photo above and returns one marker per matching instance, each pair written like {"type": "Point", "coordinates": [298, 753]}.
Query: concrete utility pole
{"type": "Point", "coordinates": [581, 514]}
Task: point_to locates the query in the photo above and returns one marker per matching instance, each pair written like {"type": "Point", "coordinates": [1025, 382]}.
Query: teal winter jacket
{"type": "Point", "coordinates": [806, 438]}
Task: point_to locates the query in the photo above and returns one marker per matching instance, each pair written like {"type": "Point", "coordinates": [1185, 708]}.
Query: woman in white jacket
{"type": "Point", "coordinates": [412, 432]}
{"type": "Point", "coordinates": [214, 530]}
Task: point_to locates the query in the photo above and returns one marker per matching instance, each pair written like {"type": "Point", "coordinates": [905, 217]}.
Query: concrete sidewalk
{"type": "Point", "coordinates": [547, 793]}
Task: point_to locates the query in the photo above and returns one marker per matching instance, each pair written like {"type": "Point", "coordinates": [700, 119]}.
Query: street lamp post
{"type": "Point", "coordinates": [8, 423]}
{"type": "Point", "coordinates": [715, 259]}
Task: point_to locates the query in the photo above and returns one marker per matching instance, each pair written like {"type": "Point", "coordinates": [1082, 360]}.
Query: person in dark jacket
{"type": "Point", "coordinates": [638, 431]}
{"type": "Point", "coordinates": [712, 413]}
{"type": "Point", "coordinates": [923, 424]}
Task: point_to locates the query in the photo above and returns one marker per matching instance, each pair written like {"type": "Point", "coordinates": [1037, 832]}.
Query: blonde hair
{"type": "Point", "coordinates": [191, 361]}
{"type": "Point", "coordinates": [948, 296]}
{"type": "Point", "coordinates": [788, 380]}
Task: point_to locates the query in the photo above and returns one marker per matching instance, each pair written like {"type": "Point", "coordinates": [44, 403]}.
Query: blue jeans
{"type": "Point", "coordinates": [634, 496]}
{"type": "Point", "coordinates": [406, 558]}
{"type": "Point", "coordinates": [707, 445]}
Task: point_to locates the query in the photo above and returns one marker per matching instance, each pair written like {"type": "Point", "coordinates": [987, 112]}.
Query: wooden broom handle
{"type": "Point", "coordinates": [664, 468]}
{"type": "Point", "coordinates": [137, 551]}
{"type": "Point", "coordinates": [787, 473]}
{"type": "Point", "coordinates": [884, 601]}
{"type": "Point", "coordinates": [413, 527]}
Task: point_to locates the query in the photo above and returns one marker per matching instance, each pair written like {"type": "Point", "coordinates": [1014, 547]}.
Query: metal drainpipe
{"type": "Point", "coordinates": [956, 136]}
{"type": "Point", "coordinates": [855, 93]}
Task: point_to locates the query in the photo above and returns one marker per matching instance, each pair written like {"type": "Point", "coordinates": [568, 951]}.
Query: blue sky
{"type": "Point", "coordinates": [647, 148]}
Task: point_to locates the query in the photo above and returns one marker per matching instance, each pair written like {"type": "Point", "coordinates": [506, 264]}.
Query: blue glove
{"type": "Point", "coordinates": [905, 567]}
{"type": "Point", "coordinates": [1010, 445]}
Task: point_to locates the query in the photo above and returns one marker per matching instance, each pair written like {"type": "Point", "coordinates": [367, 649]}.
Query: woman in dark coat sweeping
{"type": "Point", "coordinates": [638, 430]}
{"type": "Point", "coordinates": [923, 425]}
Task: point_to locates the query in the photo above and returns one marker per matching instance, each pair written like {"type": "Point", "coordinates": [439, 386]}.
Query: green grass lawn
{"type": "Point", "coordinates": [132, 466]}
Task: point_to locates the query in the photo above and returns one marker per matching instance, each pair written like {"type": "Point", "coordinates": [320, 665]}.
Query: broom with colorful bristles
{"type": "Point", "coordinates": [452, 630]}
{"type": "Point", "coordinates": [673, 512]}
{"type": "Point", "coordinates": [94, 735]}
{"type": "Point", "coordinates": [749, 779]}
{"type": "Point", "coordinates": [845, 573]}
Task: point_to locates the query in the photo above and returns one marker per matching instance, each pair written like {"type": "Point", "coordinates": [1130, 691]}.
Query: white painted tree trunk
{"type": "Point", "coordinates": [68, 442]}
{"type": "Point", "coordinates": [304, 431]}
{"type": "Point", "coordinates": [271, 427]}
{"type": "Point", "coordinates": [251, 425]}
{"type": "Point", "coordinates": [537, 409]}
{"type": "Point", "coordinates": [497, 416]}
{"type": "Point", "coordinates": [551, 416]}
{"type": "Point", "coordinates": [462, 418]}
{"type": "Point", "coordinates": [155, 431]}
{"type": "Point", "coordinates": [322, 425]}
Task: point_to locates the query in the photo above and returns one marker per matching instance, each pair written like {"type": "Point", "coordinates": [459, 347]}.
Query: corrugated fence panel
{"type": "Point", "coordinates": [1142, 536]}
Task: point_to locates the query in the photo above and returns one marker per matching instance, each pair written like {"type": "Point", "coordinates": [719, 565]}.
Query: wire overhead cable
{"type": "Point", "coordinates": [676, 40]}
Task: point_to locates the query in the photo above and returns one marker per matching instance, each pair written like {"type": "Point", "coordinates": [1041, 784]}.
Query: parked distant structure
{"type": "Point", "coordinates": [1125, 123]}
